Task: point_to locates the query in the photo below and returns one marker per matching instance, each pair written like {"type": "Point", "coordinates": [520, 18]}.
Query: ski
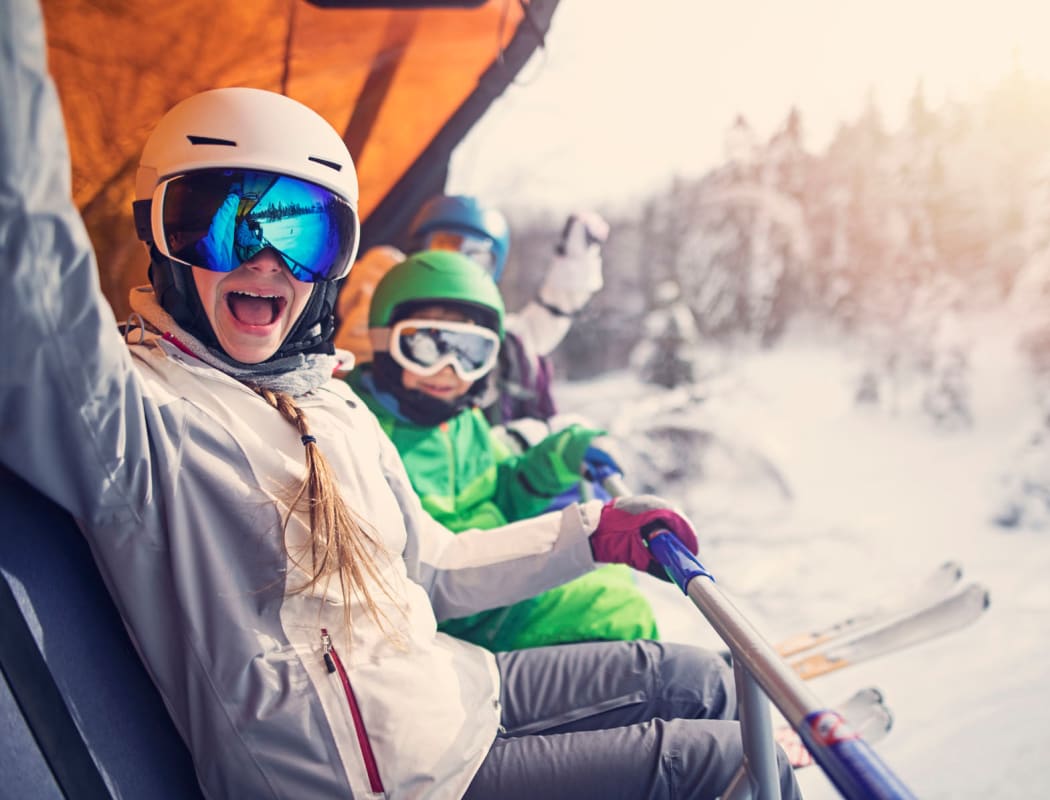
{"type": "Point", "coordinates": [933, 587]}
{"type": "Point", "coordinates": [943, 616]}
{"type": "Point", "coordinates": [866, 714]}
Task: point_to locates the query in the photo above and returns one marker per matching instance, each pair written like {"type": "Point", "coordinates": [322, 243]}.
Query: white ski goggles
{"type": "Point", "coordinates": [427, 346]}
{"type": "Point", "coordinates": [478, 249]}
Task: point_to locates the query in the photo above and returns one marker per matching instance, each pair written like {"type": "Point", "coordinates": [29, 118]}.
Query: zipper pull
{"type": "Point", "coordinates": [326, 649]}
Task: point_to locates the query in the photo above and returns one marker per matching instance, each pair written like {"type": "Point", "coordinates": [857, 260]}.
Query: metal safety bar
{"type": "Point", "coordinates": [762, 676]}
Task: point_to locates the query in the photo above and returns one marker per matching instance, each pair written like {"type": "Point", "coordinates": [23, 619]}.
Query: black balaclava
{"type": "Point", "coordinates": [420, 407]}
{"type": "Point", "coordinates": [177, 294]}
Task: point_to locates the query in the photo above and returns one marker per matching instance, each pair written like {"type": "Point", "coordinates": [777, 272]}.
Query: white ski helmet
{"type": "Point", "coordinates": [246, 128]}
{"type": "Point", "coordinates": [225, 128]}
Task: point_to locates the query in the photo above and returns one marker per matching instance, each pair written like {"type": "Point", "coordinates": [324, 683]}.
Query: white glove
{"type": "Point", "coordinates": [575, 273]}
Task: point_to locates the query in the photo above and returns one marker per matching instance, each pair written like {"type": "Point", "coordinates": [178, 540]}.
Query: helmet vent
{"type": "Point", "coordinates": [329, 164]}
{"type": "Point", "coordinates": [210, 140]}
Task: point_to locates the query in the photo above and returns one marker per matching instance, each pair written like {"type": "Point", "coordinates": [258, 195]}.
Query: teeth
{"type": "Point", "coordinates": [255, 294]}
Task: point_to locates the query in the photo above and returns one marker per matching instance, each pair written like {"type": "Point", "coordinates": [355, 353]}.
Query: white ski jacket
{"type": "Point", "coordinates": [179, 477]}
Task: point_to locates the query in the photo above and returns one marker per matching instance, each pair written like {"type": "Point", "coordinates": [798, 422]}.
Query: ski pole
{"type": "Point", "coordinates": [851, 764]}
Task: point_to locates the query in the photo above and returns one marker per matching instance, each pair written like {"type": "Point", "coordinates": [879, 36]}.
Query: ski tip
{"type": "Point", "coordinates": [978, 594]}
{"type": "Point", "coordinates": [869, 695]}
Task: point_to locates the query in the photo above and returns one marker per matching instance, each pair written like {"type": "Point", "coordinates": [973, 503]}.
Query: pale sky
{"type": "Point", "coordinates": [630, 92]}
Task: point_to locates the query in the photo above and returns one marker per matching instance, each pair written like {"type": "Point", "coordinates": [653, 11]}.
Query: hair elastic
{"type": "Point", "coordinates": [307, 439]}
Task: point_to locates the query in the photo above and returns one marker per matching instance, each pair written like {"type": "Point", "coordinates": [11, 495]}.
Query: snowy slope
{"type": "Point", "coordinates": [810, 507]}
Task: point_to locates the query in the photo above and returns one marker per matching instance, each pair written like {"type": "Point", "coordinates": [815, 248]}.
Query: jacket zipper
{"type": "Point", "coordinates": [333, 664]}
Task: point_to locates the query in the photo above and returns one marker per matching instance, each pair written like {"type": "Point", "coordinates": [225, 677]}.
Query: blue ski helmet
{"type": "Point", "coordinates": [465, 217]}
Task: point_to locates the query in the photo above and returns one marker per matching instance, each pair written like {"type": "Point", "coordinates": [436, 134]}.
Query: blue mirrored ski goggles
{"type": "Point", "coordinates": [219, 218]}
{"type": "Point", "coordinates": [427, 346]}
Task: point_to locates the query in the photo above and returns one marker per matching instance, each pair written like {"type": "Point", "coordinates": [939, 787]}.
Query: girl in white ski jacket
{"type": "Point", "coordinates": [293, 635]}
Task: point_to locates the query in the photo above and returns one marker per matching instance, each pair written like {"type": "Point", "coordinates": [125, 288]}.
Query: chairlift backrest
{"type": "Point", "coordinates": [79, 715]}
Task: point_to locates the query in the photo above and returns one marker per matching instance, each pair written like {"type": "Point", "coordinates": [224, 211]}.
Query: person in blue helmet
{"type": "Point", "coordinates": [254, 524]}
{"type": "Point", "coordinates": [519, 401]}
{"type": "Point", "coordinates": [522, 385]}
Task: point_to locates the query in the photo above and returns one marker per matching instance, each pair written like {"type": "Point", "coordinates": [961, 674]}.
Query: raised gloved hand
{"type": "Point", "coordinates": [627, 521]}
{"type": "Point", "coordinates": [583, 230]}
{"type": "Point", "coordinates": [575, 272]}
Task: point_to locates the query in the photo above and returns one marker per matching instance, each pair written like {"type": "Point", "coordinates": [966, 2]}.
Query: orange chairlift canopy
{"type": "Point", "coordinates": [403, 83]}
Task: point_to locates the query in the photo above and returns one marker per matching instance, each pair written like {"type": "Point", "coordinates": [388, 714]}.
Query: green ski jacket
{"type": "Point", "coordinates": [466, 478]}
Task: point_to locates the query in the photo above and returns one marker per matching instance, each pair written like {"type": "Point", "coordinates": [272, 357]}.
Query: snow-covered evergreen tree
{"type": "Point", "coordinates": [664, 354]}
{"type": "Point", "coordinates": [741, 149]}
{"type": "Point", "coordinates": [744, 246]}
{"type": "Point", "coordinates": [1025, 501]}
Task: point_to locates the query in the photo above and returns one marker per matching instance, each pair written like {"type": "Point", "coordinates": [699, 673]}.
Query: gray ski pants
{"type": "Point", "coordinates": [603, 720]}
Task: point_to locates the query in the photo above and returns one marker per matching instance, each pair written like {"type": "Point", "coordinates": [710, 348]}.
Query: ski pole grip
{"type": "Point", "coordinates": [675, 557]}
{"type": "Point", "coordinates": [665, 547]}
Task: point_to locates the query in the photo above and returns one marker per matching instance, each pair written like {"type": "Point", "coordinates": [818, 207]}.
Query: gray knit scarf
{"type": "Point", "coordinates": [294, 375]}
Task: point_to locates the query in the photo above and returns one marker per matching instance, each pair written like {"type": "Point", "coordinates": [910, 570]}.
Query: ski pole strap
{"type": "Point", "coordinates": [680, 564]}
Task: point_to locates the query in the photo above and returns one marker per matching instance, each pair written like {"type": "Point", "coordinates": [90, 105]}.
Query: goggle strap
{"type": "Point", "coordinates": [448, 325]}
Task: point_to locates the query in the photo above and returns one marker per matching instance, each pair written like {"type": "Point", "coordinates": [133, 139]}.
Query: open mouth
{"type": "Point", "coordinates": [249, 308]}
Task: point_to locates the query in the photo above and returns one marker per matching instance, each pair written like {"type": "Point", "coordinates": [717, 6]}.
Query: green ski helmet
{"type": "Point", "coordinates": [443, 276]}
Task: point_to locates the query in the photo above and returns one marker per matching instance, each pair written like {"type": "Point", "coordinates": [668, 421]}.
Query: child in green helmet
{"type": "Point", "coordinates": [436, 322]}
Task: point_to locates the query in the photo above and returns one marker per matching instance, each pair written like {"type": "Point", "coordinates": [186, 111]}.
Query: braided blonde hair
{"type": "Point", "coordinates": [340, 542]}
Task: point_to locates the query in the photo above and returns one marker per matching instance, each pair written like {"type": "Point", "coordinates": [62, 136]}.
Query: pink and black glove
{"type": "Point", "coordinates": [627, 521]}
